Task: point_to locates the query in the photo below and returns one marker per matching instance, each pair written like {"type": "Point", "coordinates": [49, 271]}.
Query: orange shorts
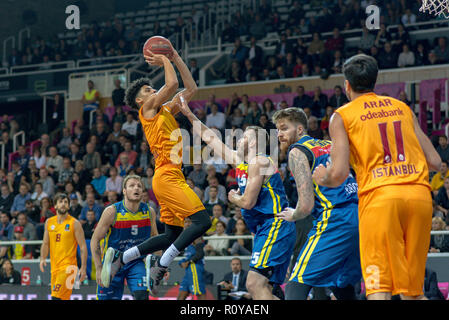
{"type": "Point", "coordinates": [176, 199]}
{"type": "Point", "coordinates": [62, 282]}
{"type": "Point", "coordinates": [394, 224]}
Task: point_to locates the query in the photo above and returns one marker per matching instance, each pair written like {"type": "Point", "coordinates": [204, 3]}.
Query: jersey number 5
{"type": "Point", "coordinates": [399, 141]}
{"type": "Point", "coordinates": [134, 229]}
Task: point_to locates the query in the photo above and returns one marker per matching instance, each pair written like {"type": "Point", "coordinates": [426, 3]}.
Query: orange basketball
{"type": "Point", "coordinates": [158, 45]}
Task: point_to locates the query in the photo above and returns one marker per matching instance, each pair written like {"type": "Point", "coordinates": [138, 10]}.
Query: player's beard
{"type": "Point", "coordinates": [62, 212]}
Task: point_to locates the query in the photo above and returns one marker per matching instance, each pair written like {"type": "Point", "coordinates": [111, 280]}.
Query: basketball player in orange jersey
{"type": "Point", "coordinates": [62, 235]}
{"type": "Point", "coordinates": [176, 198]}
{"type": "Point", "coordinates": [381, 138]}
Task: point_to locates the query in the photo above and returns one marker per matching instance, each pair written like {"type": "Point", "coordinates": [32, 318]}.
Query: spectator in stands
{"type": "Point", "coordinates": [400, 38]}
{"type": "Point", "coordinates": [6, 199]}
{"type": "Point", "coordinates": [439, 243]}
{"type": "Point", "coordinates": [443, 148]}
{"type": "Point", "coordinates": [132, 155]}
{"type": "Point", "coordinates": [38, 193]}
{"type": "Point", "coordinates": [442, 51]}
{"type": "Point", "coordinates": [90, 100]}
{"type": "Point", "coordinates": [335, 43]}
{"type": "Point", "coordinates": [235, 280]}
{"type": "Point", "coordinates": [198, 176]}
{"type": "Point", "coordinates": [29, 233]}
{"type": "Point", "coordinates": [90, 205]}
{"type": "Point", "coordinates": [383, 36]}
{"type": "Point", "coordinates": [124, 167]}
{"type": "Point", "coordinates": [409, 17]}
{"type": "Point", "coordinates": [75, 207]}
{"type": "Point", "coordinates": [240, 246]}
{"type": "Point", "coordinates": [217, 247]}
{"type": "Point", "coordinates": [337, 62]}
{"type": "Point", "coordinates": [313, 129]}
{"type": "Point", "coordinates": [130, 126]}
{"type": "Point", "coordinates": [319, 102]}
{"type": "Point", "coordinates": [421, 55]}
{"type": "Point", "coordinates": [406, 57]}
{"type": "Point", "coordinates": [212, 200]}
{"type": "Point", "coordinates": [133, 32]}
{"type": "Point", "coordinates": [432, 58]}
{"type": "Point", "coordinates": [47, 182]}
{"type": "Point", "coordinates": [216, 119]}
{"type": "Point", "coordinates": [118, 94]}
{"type": "Point", "coordinates": [47, 209]}
{"type": "Point", "coordinates": [431, 290]}
{"type": "Point", "coordinates": [194, 70]}
{"type": "Point", "coordinates": [32, 212]}
{"type": "Point", "coordinates": [255, 53]}
{"type": "Point", "coordinates": [54, 159]}
{"type": "Point", "coordinates": [257, 28]}
{"type": "Point", "coordinates": [18, 204]}
{"type": "Point", "coordinates": [442, 198]}
{"type": "Point", "coordinates": [92, 158]}
{"type": "Point", "coordinates": [7, 142]}
{"type": "Point", "coordinates": [23, 158]}
{"type": "Point", "coordinates": [74, 154]}
{"type": "Point", "coordinates": [213, 182]}
{"type": "Point", "coordinates": [114, 182]}
{"type": "Point", "coordinates": [387, 58]}
{"type": "Point", "coordinates": [338, 98]}
{"type": "Point", "coordinates": [403, 97]}
{"type": "Point", "coordinates": [89, 226]}
{"type": "Point", "coordinates": [367, 40]}
{"type": "Point", "coordinates": [253, 116]}
{"type": "Point", "coordinates": [8, 275]}
{"type": "Point", "coordinates": [239, 52]}
{"type": "Point", "coordinates": [99, 181]}
{"type": "Point", "coordinates": [236, 73]}
{"type": "Point", "coordinates": [324, 125]}
{"type": "Point", "coordinates": [65, 142]}
{"type": "Point", "coordinates": [283, 47]}
{"type": "Point", "coordinates": [6, 232]}
{"type": "Point", "coordinates": [302, 100]}
{"type": "Point", "coordinates": [143, 158]}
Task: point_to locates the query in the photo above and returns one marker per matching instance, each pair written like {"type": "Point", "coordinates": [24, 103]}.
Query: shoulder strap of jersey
{"type": "Point", "coordinates": [305, 150]}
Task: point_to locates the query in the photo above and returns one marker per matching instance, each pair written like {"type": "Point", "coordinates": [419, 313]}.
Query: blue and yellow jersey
{"type": "Point", "coordinates": [129, 228]}
{"type": "Point", "coordinates": [189, 252]}
{"type": "Point", "coordinates": [271, 200]}
{"type": "Point", "coordinates": [318, 152]}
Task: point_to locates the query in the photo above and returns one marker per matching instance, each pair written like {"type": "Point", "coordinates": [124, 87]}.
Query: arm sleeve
{"type": "Point", "coordinates": [199, 254]}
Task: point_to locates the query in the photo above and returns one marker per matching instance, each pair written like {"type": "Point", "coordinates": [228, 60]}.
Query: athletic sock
{"type": "Point", "coordinates": [130, 255]}
{"type": "Point", "coordinates": [168, 256]}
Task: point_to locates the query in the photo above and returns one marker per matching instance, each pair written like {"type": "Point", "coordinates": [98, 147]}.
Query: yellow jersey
{"type": "Point", "coordinates": [63, 243]}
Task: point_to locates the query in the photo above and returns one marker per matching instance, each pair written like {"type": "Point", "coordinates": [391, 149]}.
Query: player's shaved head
{"type": "Point", "coordinates": [133, 91]}
{"type": "Point", "coordinates": [361, 72]}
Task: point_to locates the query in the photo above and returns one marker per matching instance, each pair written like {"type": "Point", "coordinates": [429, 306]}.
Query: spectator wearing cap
{"type": "Point", "coordinates": [75, 207]}
{"type": "Point", "coordinates": [19, 201]}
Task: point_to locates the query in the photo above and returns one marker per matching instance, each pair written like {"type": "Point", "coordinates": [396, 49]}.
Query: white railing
{"type": "Point", "coordinates": [11, 39]}
{"type": "Point", "coordinates": [26, 30]}
{"type": "Point", "coordinates": [14, 140]}
{"type": "Point", "coordinates": [100, 61]}
{"type": "Point", "coordinates": [43, 66]}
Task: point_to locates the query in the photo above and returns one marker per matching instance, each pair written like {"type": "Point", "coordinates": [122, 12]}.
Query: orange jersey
{"type": "Point", "coordinates": [384, 149]}
{"type": "Point", "coordinates": [164, 137]}
{"type": "Point", "coordinates": [63, 243]}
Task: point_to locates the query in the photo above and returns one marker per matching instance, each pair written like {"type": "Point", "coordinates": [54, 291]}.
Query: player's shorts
{"type": "Point", "coordinates": [134, 273]}
{"type": "Point", "coordinates": [395, 223]}
{"type": "Point", "coordinates": [193, 281]}
{"type": "Point", "coordinates": [176, 199]}
{"type": "Point", "coordinates": [63, 281]}
{"type": "Point", "coordinates": [330, 257]}
{"type": "Point", "coordinates": [273, 248]}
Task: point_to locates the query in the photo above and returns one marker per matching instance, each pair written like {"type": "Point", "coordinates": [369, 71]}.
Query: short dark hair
{"type": "Point", "coordinates": [133, 91]}
{"type": "Point", "coordinates": [61, 196]}
{"type": "Point", "coordinates": [361, 71]}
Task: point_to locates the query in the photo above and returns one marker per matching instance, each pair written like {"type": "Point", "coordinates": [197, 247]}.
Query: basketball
{"type": "Point", "coordinates": [158, 45]}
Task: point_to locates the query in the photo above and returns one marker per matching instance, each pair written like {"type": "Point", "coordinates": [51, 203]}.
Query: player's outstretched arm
{"type": "Point", "coordinates": [79, 236]}
{"type": "Point", "coordinates": [44, 248]}
{"type": "Point", "coordinates": [209, 136]}
{"type": "Point", "coordinates": [106, 220]}
{"type": "Point", "coordinates": [300, 169]}
{"type": "Point", "coordinates": [253, 185]}
{"type": "Point", "coordinates": [335, 173]}
{"type": "Point", "coordinates": [190, 87]}
{"type": "Point", "coordinates": [168, 89]}
{"type": "Point", "coordinates": [432, 156]}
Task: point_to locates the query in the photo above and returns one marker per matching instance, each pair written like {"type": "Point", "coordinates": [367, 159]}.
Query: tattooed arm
{"type": "Point", "coordinates": [300, 169]}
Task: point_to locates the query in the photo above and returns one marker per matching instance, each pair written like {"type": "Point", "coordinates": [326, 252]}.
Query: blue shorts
{"type": "Point", "coordinates": [331, 256]}
{"type": "Point", "coordinates": [134, 273]}
{"type": "Point", "coordinates": [273, 248]}
{"type": "Point", "coordinates": [193, 281]}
